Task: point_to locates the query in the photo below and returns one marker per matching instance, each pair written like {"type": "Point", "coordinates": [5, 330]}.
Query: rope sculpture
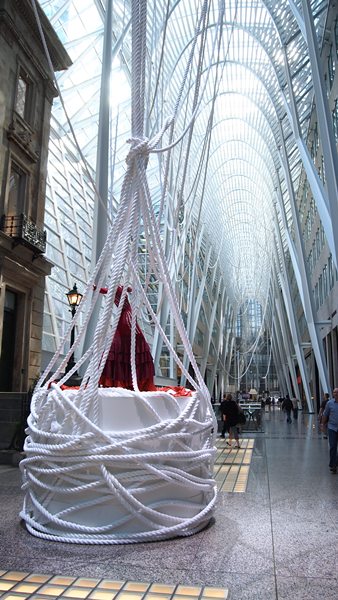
{"type": "Point", "coordinates": [118, 487]}
{"type": "Point", "coordinates": [112, 465]}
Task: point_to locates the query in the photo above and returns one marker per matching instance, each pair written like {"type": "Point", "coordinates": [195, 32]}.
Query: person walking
{"type": "Point", "coordinates": [295, 408]}
{"type": "Point", "coordinates": [223, 410]}
{"type": "Point", "coordinates": [330, 418]}
{"type": "Point", "coordinates": [231, 418]}
{"type": "Point", "coordinates": [324, 402]}
{"type": "Point", "coordinates": [287, 406]}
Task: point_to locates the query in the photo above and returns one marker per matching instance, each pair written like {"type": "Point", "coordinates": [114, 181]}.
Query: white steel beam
{"type": "Point", "coordinates": [329, 148]}
{"type": "Point", "coordinates": [296, 343]}
{"type": "Point", "coordinates": [317, 188]}
{"type": "Point", "coordinates": [282, 343]}
{"type": "Point", "coordinates": [276, 353]}
{"type": "Point", "coordinates": [288, 348]}
{"type": "Point", "coordinates": [301, 273]}
{"type": "Point", "coordinates": [193, 309]}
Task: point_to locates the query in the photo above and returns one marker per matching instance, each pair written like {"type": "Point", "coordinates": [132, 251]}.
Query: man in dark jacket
{"type": "Point", "coordinates": [287, 406]}
{"type": "Point", "coordinates": [230, 417]}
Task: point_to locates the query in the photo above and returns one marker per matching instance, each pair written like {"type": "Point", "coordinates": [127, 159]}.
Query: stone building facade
{"type": "Point", "coordinates": [26, 94]}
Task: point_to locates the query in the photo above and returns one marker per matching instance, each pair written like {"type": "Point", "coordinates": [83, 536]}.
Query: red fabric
{"type": "Point", "coordinates": [177, 390]}
{"type": "Point", "coordinates": [64, 386]}
{"type": "Point", "coordinates": [117, 370]}
{"type": "Point", "coordinates": [69, 387]}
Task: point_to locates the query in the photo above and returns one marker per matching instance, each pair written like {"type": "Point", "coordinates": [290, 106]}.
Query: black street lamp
{"type": "Point", "coordinates": [74, 298]}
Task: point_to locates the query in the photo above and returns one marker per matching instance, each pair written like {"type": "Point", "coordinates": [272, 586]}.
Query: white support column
{"type": "Point", "coordinates": [278, 347]}
{"type": "Point", "coordinates": [334, 356]}
{"type": "Point", "coordinates": [217, 312]}
{"type": "Point", "coordinates": [317, 188]}
{"type": "Point", "coordinates": [228, 361]}
{"type": "Point", "coordinates": [329, 148]}
{"type": "Point", "coordinates": [226, 346]}
{"type": "Point", "coordinates": [277, 358]}
{"type": "Point", "coordinates": [100, 220]}
{"type": "Point", "coordinates": [217, 307]}
{"type": "Point", "coordinates": [176, 259]}
{"type": "Point", "coordinates": [288, 349]}
{"type": "Point", "coordinates": [199, 298]}
{"type": "Point", "coordinates": [208, 337]}
{"type": "Point", "coordinates": [292, 317]}
{"type": "Point", "coordinates": [297, 254]}
{"type": "Point", "coordinates": [103, 141]}
{"type": "Point", "coordinates": [297, 344]}
{"type": "Point", "coordinates": [282, 350]}
{"type": "Point", "coordinates": [193, 309]}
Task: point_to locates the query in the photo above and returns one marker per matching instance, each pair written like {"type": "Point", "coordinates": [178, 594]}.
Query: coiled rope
{"type": "Point", "coordinates": [114, 487]}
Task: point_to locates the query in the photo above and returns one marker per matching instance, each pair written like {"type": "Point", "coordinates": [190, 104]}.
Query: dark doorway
{"type": "Point", "coordinates": [8, 342]}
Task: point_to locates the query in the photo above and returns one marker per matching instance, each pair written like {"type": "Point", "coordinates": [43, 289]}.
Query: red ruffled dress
{"type": "Point", "coordinates": [117, 370]}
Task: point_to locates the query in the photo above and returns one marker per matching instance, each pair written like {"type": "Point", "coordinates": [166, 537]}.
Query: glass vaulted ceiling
{"type": "Point", "coordinates": [237, 80]}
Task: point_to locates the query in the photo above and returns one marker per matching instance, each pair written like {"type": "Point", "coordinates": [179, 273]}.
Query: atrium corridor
{"type": "Point", "coordinates": [275, 538]}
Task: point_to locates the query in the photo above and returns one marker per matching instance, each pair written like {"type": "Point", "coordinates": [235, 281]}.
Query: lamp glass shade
{"type": "Point", "coordinates": [74, 297]}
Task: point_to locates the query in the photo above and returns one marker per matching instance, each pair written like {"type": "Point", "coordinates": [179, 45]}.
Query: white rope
{"type": "Point", "coordinates": [134, 486]}
{"type": "Point", "coordinates": [109, 465]}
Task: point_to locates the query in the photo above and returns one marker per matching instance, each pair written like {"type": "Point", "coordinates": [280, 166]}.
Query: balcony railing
{"type": "Point", "coordinates": [24, 231]}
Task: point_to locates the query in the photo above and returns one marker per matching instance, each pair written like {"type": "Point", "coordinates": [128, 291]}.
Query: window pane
{"type": "Point", "coordinates": [16, 194]}
{"type": "Point", "coordinates": [21, 97]}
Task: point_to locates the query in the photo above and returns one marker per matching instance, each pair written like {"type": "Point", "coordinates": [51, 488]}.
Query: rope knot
{"type": "Point", "coordinates": [141, 147]}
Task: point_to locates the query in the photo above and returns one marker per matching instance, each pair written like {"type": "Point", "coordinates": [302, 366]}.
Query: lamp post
{"type": "Point", "coordinates": [74, 298]}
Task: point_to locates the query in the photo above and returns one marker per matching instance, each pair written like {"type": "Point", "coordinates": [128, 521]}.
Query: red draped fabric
{"type": "Point", "coordinates": [117, 370]}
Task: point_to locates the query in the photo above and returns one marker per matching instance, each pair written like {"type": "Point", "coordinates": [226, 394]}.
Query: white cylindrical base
{"type": "Point", "coordinates": [136, 467]}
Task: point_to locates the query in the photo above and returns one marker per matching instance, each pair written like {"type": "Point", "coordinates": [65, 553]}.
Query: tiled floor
{"type": "Point", "coordinates": [275, 540]}
{"type": "Point", "coordinates": [16, 584]}
{"type": "Point", "coordinates": [232, 466]}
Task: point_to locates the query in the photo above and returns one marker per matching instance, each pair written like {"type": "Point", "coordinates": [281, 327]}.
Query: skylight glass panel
{"type": "Point", "coordinates": [235, 136]}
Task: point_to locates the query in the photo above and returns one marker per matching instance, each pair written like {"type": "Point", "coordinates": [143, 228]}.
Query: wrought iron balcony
{"type": "Point", "coordinates": [24, 231]}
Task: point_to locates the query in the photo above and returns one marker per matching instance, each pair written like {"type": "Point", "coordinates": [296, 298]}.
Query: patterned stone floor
{"type": "Point", "coordinates": [231, 474]}
{"type": "Point", "coordinates": [273, 520]}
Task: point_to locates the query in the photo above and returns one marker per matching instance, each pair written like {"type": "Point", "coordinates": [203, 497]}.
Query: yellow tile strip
{"type": "Point", "coordinates": [17, 584]}
{"type": "Point", "coordinates": [232, 465]}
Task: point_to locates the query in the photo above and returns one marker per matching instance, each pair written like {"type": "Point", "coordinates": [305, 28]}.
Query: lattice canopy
{"type": "Point", "coordinates": [241, 62]}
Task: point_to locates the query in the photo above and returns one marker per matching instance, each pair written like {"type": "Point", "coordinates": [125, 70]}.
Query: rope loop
{"type": "Point", "coordinates": [140, 149]}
